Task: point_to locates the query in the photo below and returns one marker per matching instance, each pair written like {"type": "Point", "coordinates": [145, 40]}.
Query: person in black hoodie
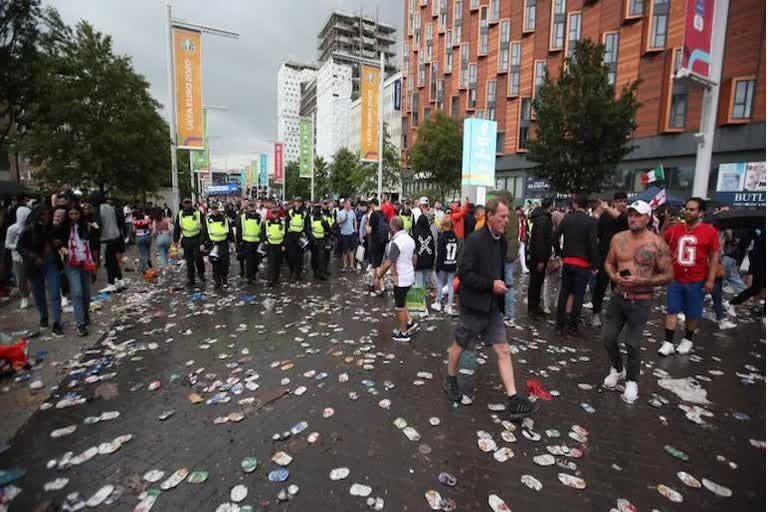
{"type": "Point", "coordinates": [425, 249]}
{"type": "Point", "coordinates": [580, 260]}
{"type": "Point", "coordinates": [447, 258]}
{"type": "Point", "coordinates": [539, 250]}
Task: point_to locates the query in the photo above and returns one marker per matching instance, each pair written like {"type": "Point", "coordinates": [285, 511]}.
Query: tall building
{"type": "Point", "coordinates": [290, 76]}
{"type": "Point", "coordinates": [392, 118]}
{"type": "Point", "coordinates": [486, 58]}
{"type": "Point", "coordinates": [334, 92]}
{"type": "Point", "coordinates": [349, 39]}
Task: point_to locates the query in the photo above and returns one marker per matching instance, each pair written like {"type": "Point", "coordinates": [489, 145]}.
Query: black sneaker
{"type": "Point", "coordinates": [451, 388]}
{"type": "Point", "coordinates": [201, 277]}
{"type": "Point", "coordinates": [57, 330]}
{"type": "Point", "coordinates": [410, 326]}
{"type": "Point", "coordinates": [44, 324]}
{"type": "Point", "coordinates": [520, 408]}
{"type": "Point", "coordinates": [400, 336]}
{"type": "Point", "coordinates": [87, 320]}
{"type": "Point", "coordinates": [573, 332]}
{"type": "Point", "coordinates": [82, 330]}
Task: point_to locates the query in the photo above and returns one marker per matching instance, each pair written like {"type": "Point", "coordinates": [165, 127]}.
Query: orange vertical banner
{"type": "Point", "coordinates": [369, 114]}
{"type": "Point", "coordinates": [189, 88]}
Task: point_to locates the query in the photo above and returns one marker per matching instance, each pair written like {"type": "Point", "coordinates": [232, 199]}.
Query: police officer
{"type": "Point", "coordinates": [321, 231]}
{"type": "Point", "coordinates": [189, 225]}
{"type": "Point", "coordinates": [273, 232]}
{"type": "Point", "coordinates": [330, 219]}
{"type": "Point", "coordinates": [219, 240]}
{"type": "Point", "coordinates": [248, 239]}
{"type": "Point", "coordinates": [297, 226]}
{"type": "Point", "coordinates": [407, 216]}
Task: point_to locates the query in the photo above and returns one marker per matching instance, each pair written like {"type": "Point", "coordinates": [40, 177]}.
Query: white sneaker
{"type": "Point", "coordinates": [667, 349]}
{"type": "Point", "coordinates": [588, 305]}
{"type": "Point", "coordinates": [547, 310]}
{"type": "Point", "coordinates": [425, 313]}
{"type": "Point", "coordinates": [64, 301]}
{"type": "Point", "coordinates": [680, 317]}
{"type": "Point", "coordinates": [24, 303]}
{"type": "Point", "coordinates": [726, 324]}
{"type": "Point", "coordinates": [684, 347]}
{"type": "Point", "coordinates": [123, 283]}
{"type": "Point", "coordinates": [510, 323]}
{"type": "Point", "coordinates": [709, 316]}
{"type": "Point", "coordinates": [437, 306]}
{"type": "Point", "coordinates": [596, 322]}
{"type": "Point", "coordinates": [108, 289]}
{"type": "Point", "coordinates": [630, 392]}
{"type": "Point", "coordinates": [614, 377]}
{"type": "Point", "coordinates": [730, 309]}
{"type": "Point", "coordinates": [449, 311]}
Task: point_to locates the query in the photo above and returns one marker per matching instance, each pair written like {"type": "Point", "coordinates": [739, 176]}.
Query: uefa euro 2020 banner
{"type": "Point", "coordinates": [189, 89]}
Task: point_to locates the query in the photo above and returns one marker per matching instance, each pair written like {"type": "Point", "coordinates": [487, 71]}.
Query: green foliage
{"type": "Point", "coordinates": [345, 173]}
{"type": "Point", "coordinates": [582, 130]}
{"type": "Point", "coordinates": [390, 172]}
{"type": "Point", "coordinates": [436, 155]}
{"type": "Point", "coordinates": [94, 123]}
{"type": "Point", "coordinates": [294, 185]}
{"type": "Point", "coordinates": [322, 182]}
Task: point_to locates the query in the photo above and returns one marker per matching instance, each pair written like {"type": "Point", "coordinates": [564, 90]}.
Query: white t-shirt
{"type": "Point", "coordinates": [400, 252]}
{"type": "Point", "coordinates": [128, 214]}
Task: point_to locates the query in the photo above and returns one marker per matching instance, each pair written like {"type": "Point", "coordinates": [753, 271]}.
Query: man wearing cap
{"type": "Point", "coordinates": [296, 227]}
{"type": "Point", "coordinates": [190, 226]}
{"type": "Point", "coordinates": [273, 232]}
{"type": "Point", "coordinates": [219, 240]}
{"type": "Point", "coordinates": [637, 261]}
{"type": "Point", "coordinates": [248, 238]}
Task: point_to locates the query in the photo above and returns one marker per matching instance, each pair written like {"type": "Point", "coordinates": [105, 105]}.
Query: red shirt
{"type": "Point", "coordinates": [388, 209]}
{"type": "Point", "coordinates": [691, 250]}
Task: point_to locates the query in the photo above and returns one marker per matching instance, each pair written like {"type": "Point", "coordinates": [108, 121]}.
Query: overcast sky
{"type": "Point", "coordinates": [239, 74]}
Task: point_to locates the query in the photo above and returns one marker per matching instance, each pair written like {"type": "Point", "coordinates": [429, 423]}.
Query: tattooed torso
{"type": "Point", "coordinates": [644, 257]}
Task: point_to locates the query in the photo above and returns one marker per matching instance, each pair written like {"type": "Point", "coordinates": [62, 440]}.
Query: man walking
{"type": "Point", "coordinates": [695, 250]}
{"type": "Point", "coordinates": [613, 220]}
{"type": "Point", "coordinates": [112, 237]}
{"type": "Point", "coordinates": [637, 262]}
{"type": "Point", "coordinates": [399, 257]}
{"type": "Point", "coordinates": [219, 238]}
{"type": "Point", "coordinates": [296, 227]}
{"type": "Point", "coordinates": [512, 235]}
{"type": "Point", "coordinates": [189, 225]}
{"type": "Point", "coordinates": [348, 236]}
{"type": "Point", "coordinates": [481, 306]}
{"type": "Point", "coordinates": [539, 251]}
{"type": "Point", "coordinates": [579, 255]}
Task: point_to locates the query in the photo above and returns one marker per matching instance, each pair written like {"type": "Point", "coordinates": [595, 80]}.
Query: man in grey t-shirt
{"type": "Point", "coordinates": [112, 238]}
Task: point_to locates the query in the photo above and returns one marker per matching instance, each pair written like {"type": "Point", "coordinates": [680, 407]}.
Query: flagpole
{"type": "Point", "coordinates": [312, 164]}
{"type": "Point", "coordinates": [172, 111]}
{"type": "Point", "coordinates": [380, 108]}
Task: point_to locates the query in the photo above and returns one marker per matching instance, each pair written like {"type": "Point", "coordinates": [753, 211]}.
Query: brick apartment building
{"type": "Point", "coordinates": [485, 58]}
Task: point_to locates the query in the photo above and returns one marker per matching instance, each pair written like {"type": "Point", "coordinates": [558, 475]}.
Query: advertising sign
{"type": "Point", "coordinates": [278, 162]}
{"type": "Point", "coordinates": [200, 158]}
{"type": "Point", "coordinates": [369, 114]}
{"type": "Point", "coordinates": [264, 176]}
{"type": "Point", "coordinates": [189, 89]}
{"type": "Point", "coordinates": [398, 94]}
{"type": "Point", "coordinates": [697, 36]}
{"type": "Point", "coordinates": [741, 184]}
{"type": "Point", "coordinates": [305, 147]}
{"type": "Point", "coordinates": [478, 166]}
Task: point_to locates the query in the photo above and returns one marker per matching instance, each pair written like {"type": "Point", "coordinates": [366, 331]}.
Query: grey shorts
{"type": "Point", "coordinates": [486, 327]}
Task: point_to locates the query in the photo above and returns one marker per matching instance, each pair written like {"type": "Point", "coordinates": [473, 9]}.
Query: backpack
{"type": "Point", "coordinates": [382, 229]}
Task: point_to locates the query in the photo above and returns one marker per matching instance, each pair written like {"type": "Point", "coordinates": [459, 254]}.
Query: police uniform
{"type": "Point", "coordinates": [219, 235]}
{"type": "Point", "coordinates": [297, 225]}
{"type": "Point", "coordinates": [273, 232]}
{"type": "Point", "coordinates": [407, 220]}
{"type": "Point", "coordinates": [320, 231]}
{"type": "Point", "coordinates": [249, 238]}
{"type": "Point", "coordinates": [330, 219]}
{"type": "Point", "coordinates": [191, 231]}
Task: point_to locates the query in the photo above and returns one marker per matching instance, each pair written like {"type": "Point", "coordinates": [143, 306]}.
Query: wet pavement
{"type": "Point", "coordinates": [251, 351]}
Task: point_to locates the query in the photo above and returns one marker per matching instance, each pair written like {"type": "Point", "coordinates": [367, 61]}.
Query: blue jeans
{"type": "Point", "coordinates": [49, 275]}
{"type": "Point", "coordinates": [732, 274]}
{"type": "Point", "coordinates": [144, 243]}
{"type": "Point", "coordinates": [510, 299]}
{"type": "Point", "coordinates": [445, 278]}
{"type": "Point", "coordinates": [163, 243]}
{"type": "Point", "coordinates": [717, 298]}
{"type": "Point", "coordinates": [80, 291]}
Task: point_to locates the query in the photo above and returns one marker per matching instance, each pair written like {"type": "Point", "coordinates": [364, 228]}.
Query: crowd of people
{"type": "Point", "coordinates": [55, 248]}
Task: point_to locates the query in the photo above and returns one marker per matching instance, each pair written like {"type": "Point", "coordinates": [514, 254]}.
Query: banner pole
{"type": "Point", "coordinates": [191, 178]}
{"type": "Point", "coordinates": [381, 121]}
{"type": "Point", "coordinates": [312, 164]}
{"type": "Point", "coordinates": [172, 112]}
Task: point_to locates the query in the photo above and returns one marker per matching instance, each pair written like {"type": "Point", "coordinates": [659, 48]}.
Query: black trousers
{"type": "Point", "coordinates": [293, 253]}
{"type": "Point", "coordinates": [319, 263]}
{"type": "Point", "coordinates": [275, 259]}
{"type": "Point", "coordinates": [598, 292]}
{"type": "Point", "coordinates": [574, 282]}
{"type": "Point", "coordinates": [535, 282]}
{"type": "Point", "coordinates": [194, 257]}
{"type": "Point", "coordinates": [249, 254]}
{"type": "Point", "coordinates": [758, 285]}
{"type": "Point", "coordinates": [220, 266]}
{"type": "Point", "coordinates": [110, 260]}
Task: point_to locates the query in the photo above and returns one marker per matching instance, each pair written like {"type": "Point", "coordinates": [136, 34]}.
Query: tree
{"type": "Point", "coordinates": [94, 123]}
{"type": "Point", "coordinates": [345, 173]}
{"type": "Point", "coordinates": [582, 130]}
{"type": "Point", "coordinates": [322, 181]}
{"type": "Point", "coordinates": [294, 185]}
{"type": "Point", "coordinates": [436, 155]}
{"type": "Point", "coordinates": [391, 171]}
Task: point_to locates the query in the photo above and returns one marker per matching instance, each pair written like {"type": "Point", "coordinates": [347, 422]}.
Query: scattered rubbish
{"type": "Point", "coordinates": [531, 482]}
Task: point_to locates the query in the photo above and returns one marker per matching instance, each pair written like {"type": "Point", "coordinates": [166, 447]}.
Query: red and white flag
{"type": "Point", "coordinates": [659, 199]}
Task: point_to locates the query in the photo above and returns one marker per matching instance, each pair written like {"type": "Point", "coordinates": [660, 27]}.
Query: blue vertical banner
{"type": "Point", "coordinates": [478, 165]}
{"type": "Point", "coordinates": [264, 179]}
{"type": "Point", "coordinates": [398, 94]}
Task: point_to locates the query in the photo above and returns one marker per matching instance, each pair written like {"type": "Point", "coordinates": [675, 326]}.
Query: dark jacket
{"type": "Point", "coordinates": [482, 263]}
{"type": "Point", "coordinates": [37, 241]}
{"type": "Point", "coordinates": [540, 239]}
{"type": "Point", "coordinates": [425, 244]}
{"type": "Point", "coordinates": [447, 251]}
{"type": "Point", "coordinates": [512, 234]}
{"type": "Point", "coordinates": [579, 232]}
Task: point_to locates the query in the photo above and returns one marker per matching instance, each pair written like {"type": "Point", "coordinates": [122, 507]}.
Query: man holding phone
{"type": "Point", "coordinates": [637, 261]}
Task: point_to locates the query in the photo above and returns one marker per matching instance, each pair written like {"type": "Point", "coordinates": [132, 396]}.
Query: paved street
{"type": "Point", "coordinates": [291, 337]}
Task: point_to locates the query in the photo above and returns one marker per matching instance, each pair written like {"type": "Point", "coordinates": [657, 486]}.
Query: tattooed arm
{"type": "Point", "coordinates": [663, 265]}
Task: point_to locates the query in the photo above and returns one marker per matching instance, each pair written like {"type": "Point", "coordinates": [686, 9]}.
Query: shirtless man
{"type": "Point", "coordinates": [637, 261]}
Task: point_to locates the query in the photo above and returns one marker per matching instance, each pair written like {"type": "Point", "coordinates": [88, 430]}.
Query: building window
{"type": "Point", "coordinates": [611, 55]}
{"type": "Point", "coordinates": [411, 9]}
{"type": "Point", "coordinates": [428, 36]}
{"type": "Point", "coordinates": [558, 25]}
{"type": "Point", "coordinates": [474, 4]}
{"type": "Point", "coordinates": [540, 72]}
{"type": "Point", "coordinates": [464, 75]}
{"type": "Point", "coordinates": [457, 7]}
{"type": "Point", "coordinates": [472, 96]}
{"type": "Point", "coordinates": [448, 53]}
{"type": "Point", "coordinates": [523, 125]}
{"type": "Point", "coordinates": [443, 15]}
{"type": "Point", "coordinates": [441, 95]}
{"type": "Point", "coordinates": [414, 110]}
{"type": "Point", "coordinates": [742, 99]}
{"type": "Point", "coordinates": [678, 102]}
{"type": "Point", "coordinates": [634, 8]}
{"type": "Point", "coordinates": [499, 142]}
{"type": "Point", "coordinates": [417, 31]}
{"type": "Point", "coordinates": [513, 88]}
{"type": "Point", "coordinates": [490, 99]}
{"type": "Point", "coordinates": [422, 70]}
{"type": "Point", "coordinates": [427, 111]}
{"type": "Point", "coordinates": [433, 81]}
{"type": "Point", "coordinates": [657, 38]}
{"type": "Point", "coordinates": [406, 58]}
{"type": "Point", "coordinates": [435, 7]}
{"type": "Point", "coordinates": [495, 11]}
{"type": "Point", "coordinates": [482, 42]}
{"type": "Point", "coordinates": [529, 20]}
{"type": "Point", "coordinates": [504, 47]}
{"type": "Point", "coordinates": [574, 32]}
{"type": "Point", "coordinates": [455, 108]}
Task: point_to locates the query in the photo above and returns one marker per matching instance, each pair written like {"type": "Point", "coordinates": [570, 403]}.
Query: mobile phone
{"type": "Point", "coordinates": [625, 273]}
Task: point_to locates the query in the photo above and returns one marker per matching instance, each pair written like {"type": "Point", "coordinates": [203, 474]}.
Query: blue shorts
{"type": "Point", "coordinates": [686, 298]}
